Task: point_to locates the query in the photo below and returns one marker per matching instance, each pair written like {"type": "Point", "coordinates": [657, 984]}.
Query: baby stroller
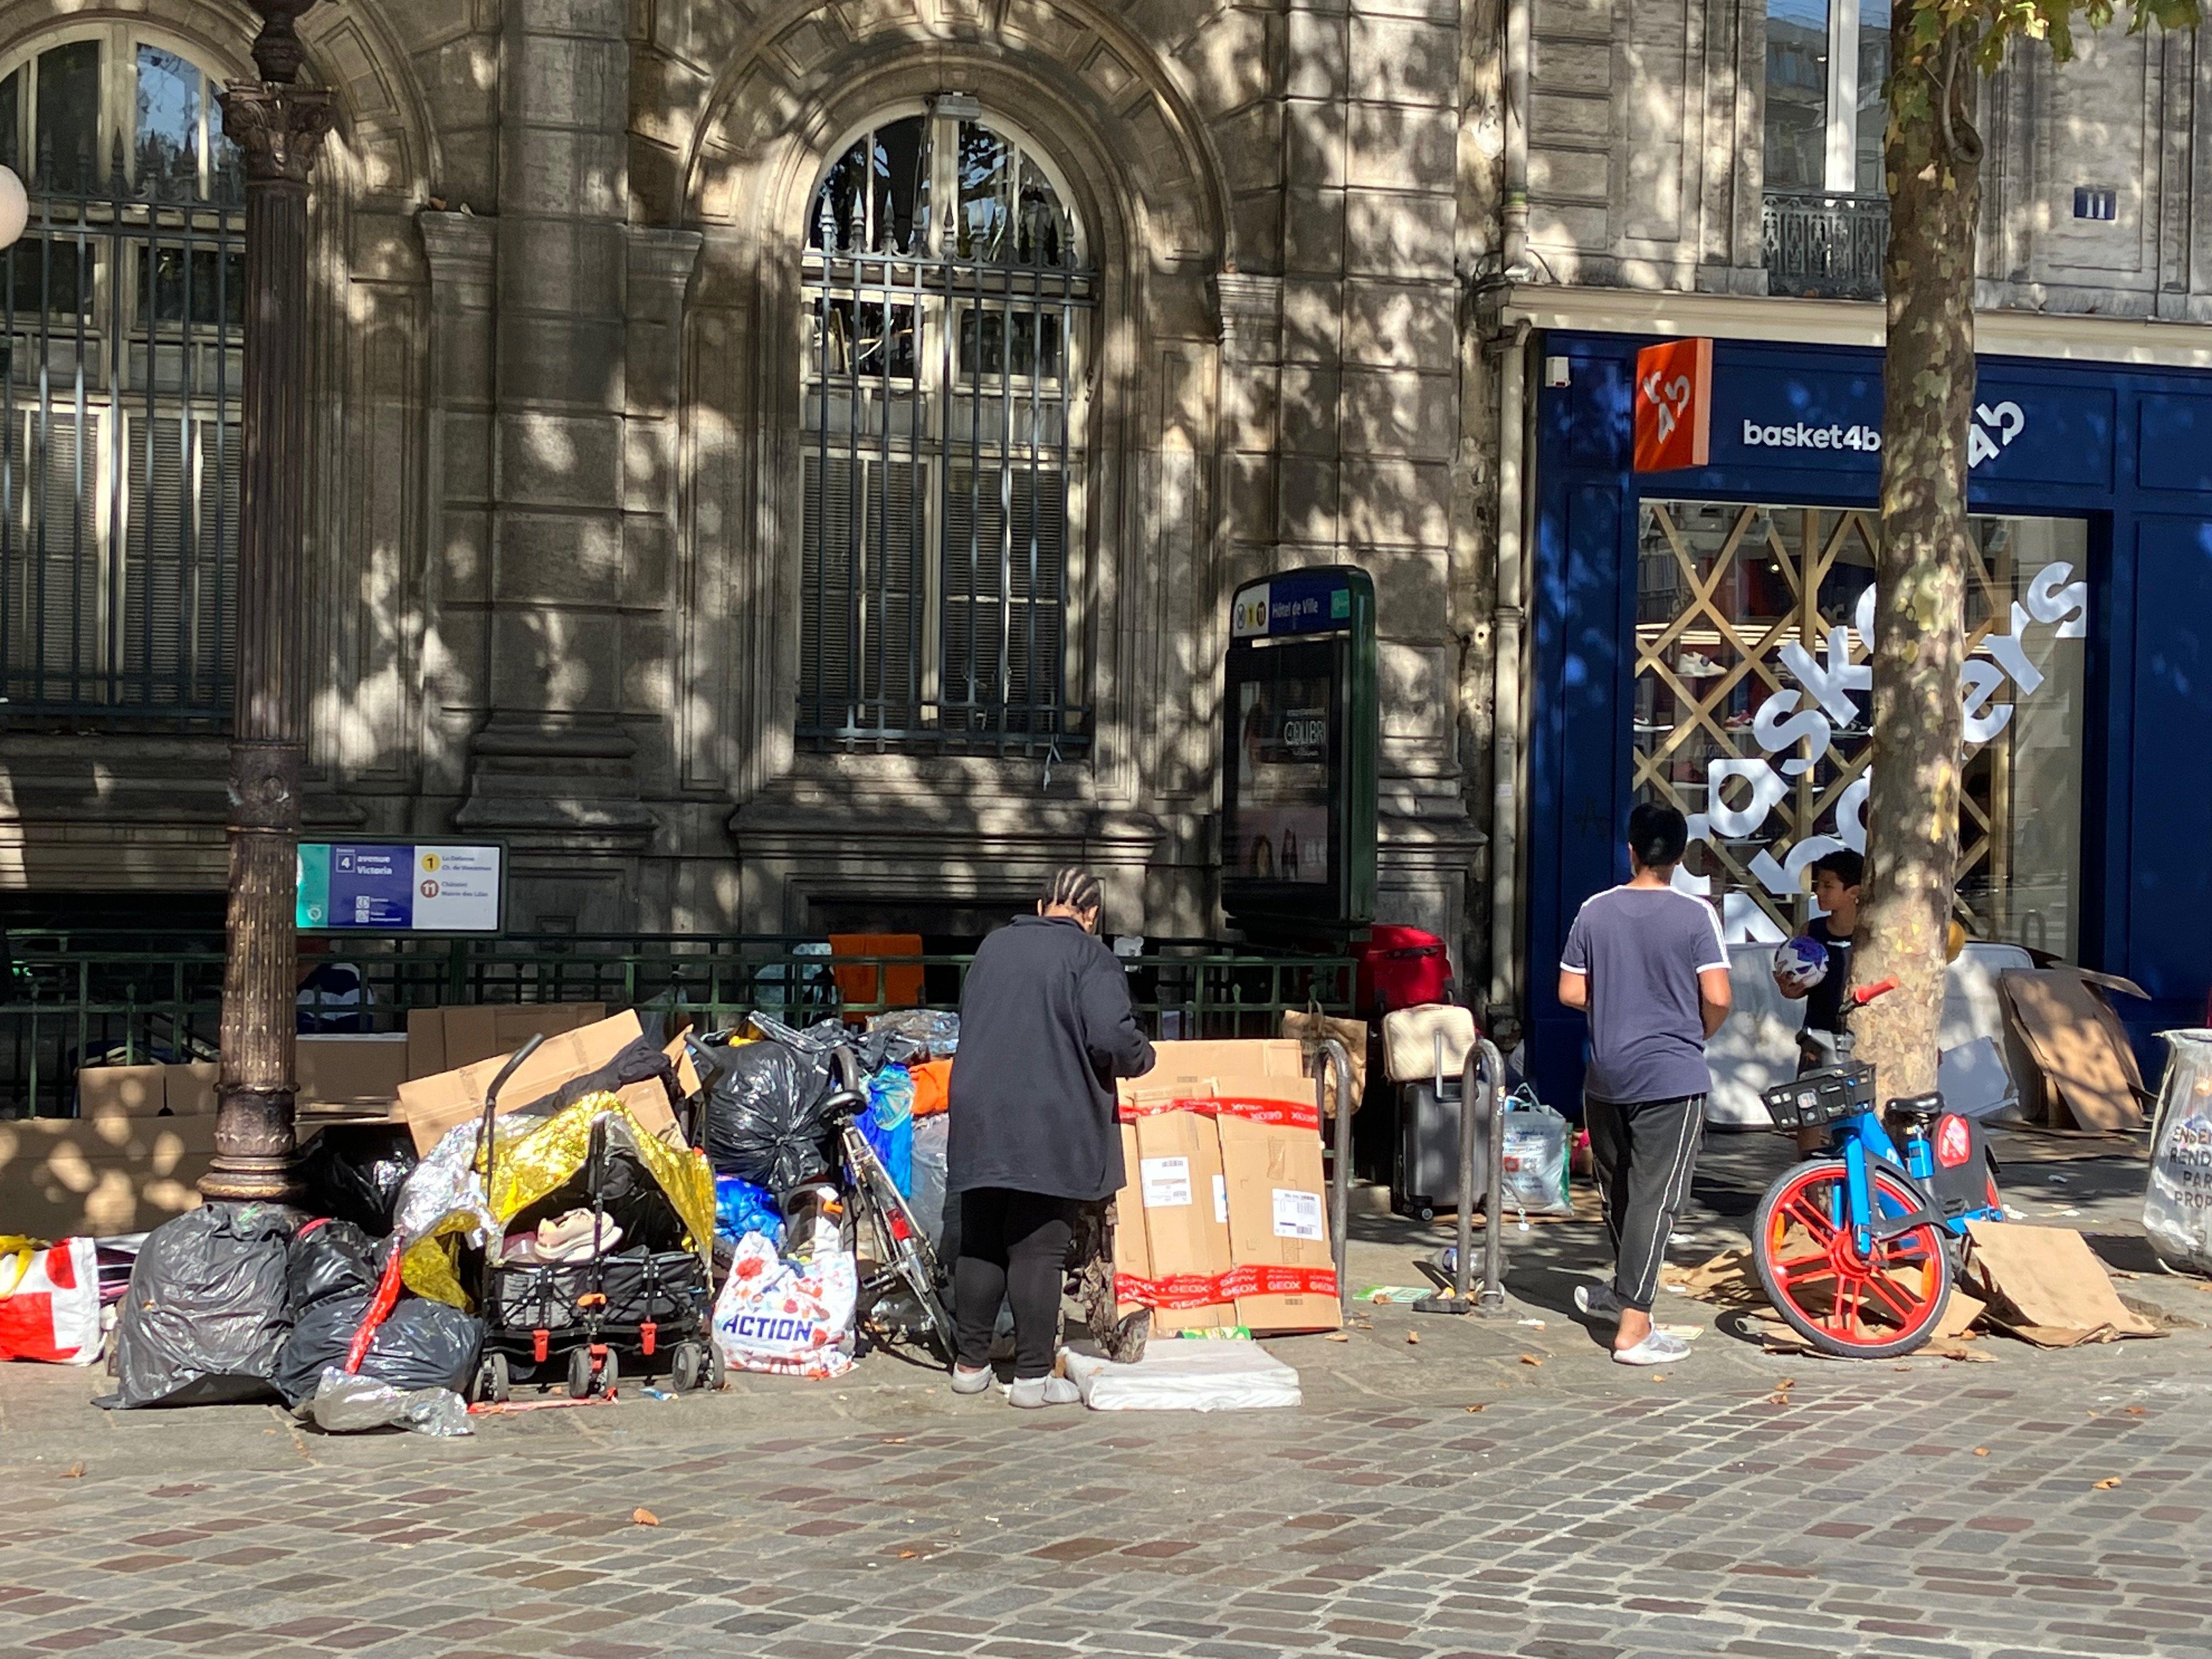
{"type": "Point", "coordinates": [623, 1292]}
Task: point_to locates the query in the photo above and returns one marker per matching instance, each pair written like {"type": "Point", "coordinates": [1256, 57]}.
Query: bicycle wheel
{"type": "Point", "coordinates": [1885, 1302]}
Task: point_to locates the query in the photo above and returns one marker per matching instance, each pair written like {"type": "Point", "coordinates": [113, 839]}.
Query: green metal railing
{"type": "Point", "coordinates": [76, 998]}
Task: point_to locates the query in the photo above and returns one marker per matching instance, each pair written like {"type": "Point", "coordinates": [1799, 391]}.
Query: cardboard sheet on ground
{"type": "Point", "coordinates": [2078, 1043]}
{"type": "Point", "coordinates": [2046, 1286]}
{"type": "Point", "coordinates": [1186, 1375]}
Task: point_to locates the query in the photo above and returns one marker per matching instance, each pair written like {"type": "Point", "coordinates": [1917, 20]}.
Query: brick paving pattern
{"type": "Point", "coordinates": [1443, 1497]}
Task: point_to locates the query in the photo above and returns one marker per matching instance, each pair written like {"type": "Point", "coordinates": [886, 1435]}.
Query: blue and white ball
{"type": "Point", "coordinates": [1802, 961]}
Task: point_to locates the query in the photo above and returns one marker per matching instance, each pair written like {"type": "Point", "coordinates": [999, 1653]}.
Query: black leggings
{"type": "Point", "coordinates": [1013, 1247]}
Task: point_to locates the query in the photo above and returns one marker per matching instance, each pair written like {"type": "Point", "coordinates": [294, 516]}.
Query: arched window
{"type": "Point", "coordinates": [948, 291]}
{"type": "Point", "coordinates": [122, 306]}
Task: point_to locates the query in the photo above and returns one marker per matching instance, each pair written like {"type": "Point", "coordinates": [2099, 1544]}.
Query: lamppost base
{"type": "Point", "coordinates": [249, 1180]}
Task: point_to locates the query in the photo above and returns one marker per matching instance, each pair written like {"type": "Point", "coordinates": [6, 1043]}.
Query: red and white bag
{"type": "Point", "coordinates": [50, 1301]}
{"type": "Point", "coordinates": [775, 1315]}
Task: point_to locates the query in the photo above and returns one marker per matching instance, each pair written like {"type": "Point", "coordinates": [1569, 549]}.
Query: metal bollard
{"type": "Point", "coordinates": [1482, 1081]}
{"type": "Point", "coordinates": [1333, 1058]}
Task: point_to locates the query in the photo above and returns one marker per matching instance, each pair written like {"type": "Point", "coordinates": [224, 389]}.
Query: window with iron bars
{"type": "Point", "coordinates": [948, 297]}
{"type": "Point", "coordinates": [121, 311]}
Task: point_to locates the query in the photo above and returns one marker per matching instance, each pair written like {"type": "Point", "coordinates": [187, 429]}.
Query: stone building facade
{"type": "Point", "coordinates": [649, 336]}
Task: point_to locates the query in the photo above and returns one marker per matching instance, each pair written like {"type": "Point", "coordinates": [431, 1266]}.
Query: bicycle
{"type": "Point", "coordinates": [860, 1196]}
{"type": "Point", "coordinates": [1858, 1249]}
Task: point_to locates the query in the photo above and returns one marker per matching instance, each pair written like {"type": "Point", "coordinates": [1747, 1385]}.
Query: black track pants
{"type": "Point", "coordinates": [1646, 1153]}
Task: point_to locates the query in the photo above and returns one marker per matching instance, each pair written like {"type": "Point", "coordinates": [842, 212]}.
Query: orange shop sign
{"type": "Point", "coordinates": [1673, 405]}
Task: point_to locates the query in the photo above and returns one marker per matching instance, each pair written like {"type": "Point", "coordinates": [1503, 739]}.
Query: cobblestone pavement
{"type": "Point", "coordinates": [1437, 1497]}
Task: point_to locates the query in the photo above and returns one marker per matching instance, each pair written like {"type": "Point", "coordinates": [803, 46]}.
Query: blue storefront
{"type": "Point", "coordinates": [1666, 607]}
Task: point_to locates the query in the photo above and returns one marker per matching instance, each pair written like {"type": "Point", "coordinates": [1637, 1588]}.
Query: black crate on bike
{"type": "Point", "coordinates": [1820, 1099]}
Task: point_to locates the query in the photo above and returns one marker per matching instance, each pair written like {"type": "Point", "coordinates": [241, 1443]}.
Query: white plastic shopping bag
{"type": "Point", "coordinates": [1536, 1141]}
{"type": "Point", "coordinates": [775, 1315]}
{"type": "Point", "coordinates": [50, 1301]}
{"type": "Point", "coordinates": [2178, 1200]}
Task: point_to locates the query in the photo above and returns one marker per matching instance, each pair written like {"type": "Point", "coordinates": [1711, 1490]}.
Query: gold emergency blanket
{"type": "Point", "coordinates": [532, 1165]}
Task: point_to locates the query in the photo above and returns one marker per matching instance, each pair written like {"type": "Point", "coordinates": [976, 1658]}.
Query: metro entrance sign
{"type": "Point", "coordinates": [401, 887]}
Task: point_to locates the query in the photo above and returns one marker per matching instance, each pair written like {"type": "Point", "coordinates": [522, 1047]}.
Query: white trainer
{"type": "Point", "coordinates": [1598, 1301]}
{"type": "Point", "coordinates": [1657, 1349]}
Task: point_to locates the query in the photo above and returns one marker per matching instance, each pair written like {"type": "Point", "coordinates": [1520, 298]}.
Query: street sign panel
{"type": "Point", "coordinates": [402, 887]}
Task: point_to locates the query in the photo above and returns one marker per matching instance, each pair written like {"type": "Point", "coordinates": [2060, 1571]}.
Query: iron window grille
{"type": "Point", "coordinates": [121, 314]}
{"type": "Point", "coordinates": [944, 413]}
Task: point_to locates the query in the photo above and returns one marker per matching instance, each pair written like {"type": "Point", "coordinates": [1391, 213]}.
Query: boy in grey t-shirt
{"type": "Point", "coordinates": [1648, 965]}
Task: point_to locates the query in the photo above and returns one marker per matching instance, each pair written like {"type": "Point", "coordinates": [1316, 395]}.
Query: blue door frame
{"type": "Point", "coordinates": [2128, 450]}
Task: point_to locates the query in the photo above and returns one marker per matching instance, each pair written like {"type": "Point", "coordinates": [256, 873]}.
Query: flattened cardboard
{"type": "Point", "coordinates": [1278, 1218]}
{"type": "Point", "coordinates": [431, 1106]}
{"type": "Point", "coordinates": [441, 1040]}
{"type": "Point", "coordinates": [2076, 1042]}
{"type": "Point", "coordinates": [115, 1173]}
{"type": "Point", "coordinates": [1186, 1237]}
{"type": "Point", "coordinates": [350, 1070]}
{"type": "Point", "coordinates": [190, 1087]}
{"type": "Point", "coordinates": [2046, 1285]}
{"type": "Point", "coordinates": [122, 1091]}
{"type": "Point", "coordinates": [1300, 1028]}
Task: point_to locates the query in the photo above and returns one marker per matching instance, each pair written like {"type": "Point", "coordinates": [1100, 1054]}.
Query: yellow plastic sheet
{"type": "Point", "coordinates": [534, 1165]}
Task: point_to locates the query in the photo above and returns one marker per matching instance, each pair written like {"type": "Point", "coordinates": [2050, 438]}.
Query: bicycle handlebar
{"type": "Point", "coordinates": [1866, 993]}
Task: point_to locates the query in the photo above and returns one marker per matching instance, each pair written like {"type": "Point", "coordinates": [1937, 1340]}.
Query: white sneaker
{"type": "Point", "coordinates": [1034, 1392]}
{"type": "Point", "coordinates": [967, 1382]}
{"type": "Point", "coordinates": [1657, 1349]}
{"type": "Point", "coordinates": [1598, 1301]}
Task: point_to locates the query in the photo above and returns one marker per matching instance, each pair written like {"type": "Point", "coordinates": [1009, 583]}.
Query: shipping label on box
{"type": "Point", "coordinates": [1285, 1277]}
{"type": "Point", "coordinates": [1186, 1235]}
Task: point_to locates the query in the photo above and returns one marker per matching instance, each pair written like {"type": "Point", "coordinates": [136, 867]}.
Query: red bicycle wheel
{"type": "Point", "coordinates": [1884, 1301]}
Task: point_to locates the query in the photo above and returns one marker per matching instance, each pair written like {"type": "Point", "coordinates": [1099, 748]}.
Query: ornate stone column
{"type": "Point", "coordinates": [279, 128]}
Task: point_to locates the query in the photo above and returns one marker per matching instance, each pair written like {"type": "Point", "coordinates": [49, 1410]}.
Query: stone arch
{"type": "Point", "coordinates": [741, 168]}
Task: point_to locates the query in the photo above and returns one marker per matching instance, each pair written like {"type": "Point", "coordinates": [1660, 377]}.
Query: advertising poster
{"type": "Point", "coordinates": [1282, 781]}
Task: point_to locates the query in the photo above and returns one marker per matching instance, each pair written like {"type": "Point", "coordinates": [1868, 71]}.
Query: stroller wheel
{"type": "Point", "coordinates": [685, 1366]}
{"type": "Point", "coordinates": [716, 1370]}
{"type": "Point", "coordinates": [580, 1372]}
{"type": "Point", "coordinates": [493, 1381]}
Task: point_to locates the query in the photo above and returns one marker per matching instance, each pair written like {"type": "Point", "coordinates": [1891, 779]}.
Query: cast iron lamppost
{"type": "Point", "coordinates": [279, 128]}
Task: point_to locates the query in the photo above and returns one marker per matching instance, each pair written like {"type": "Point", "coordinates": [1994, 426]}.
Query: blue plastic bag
{"type": "Point", "coordinates": [741, 1208]}
{"type": "Point", "coordinates": [889, 1125]}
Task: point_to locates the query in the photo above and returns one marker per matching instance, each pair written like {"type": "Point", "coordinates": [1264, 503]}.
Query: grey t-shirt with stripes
{"type": "Point", "coordinates": [1642, 950]}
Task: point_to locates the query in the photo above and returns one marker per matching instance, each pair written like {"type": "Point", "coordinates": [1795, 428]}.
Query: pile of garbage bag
{"type": "Point", "coordinates": [235, 1302]}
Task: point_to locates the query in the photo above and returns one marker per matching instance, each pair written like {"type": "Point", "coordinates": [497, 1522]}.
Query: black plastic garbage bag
{"type": "Point", "coordinates": [354, 1172]}
{"type": "Point", "coordinates": [764, 1116]}
{"type": "Point", "coordinates": [207, 1312]}
{"type": "Point", "coordinates": [421, 1345]}
{"type": "Point", "coordinates": [328, 1259]}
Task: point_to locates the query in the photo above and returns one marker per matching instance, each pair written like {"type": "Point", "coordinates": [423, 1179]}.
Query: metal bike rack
{"type": "Point", "coordinates": [1481, 1086]}
{"type": "Point", "coordinates": [1334, 1059]}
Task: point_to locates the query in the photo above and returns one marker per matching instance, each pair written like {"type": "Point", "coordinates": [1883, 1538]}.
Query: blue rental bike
{"type": "Point", "coordinates": [1856, 1249]}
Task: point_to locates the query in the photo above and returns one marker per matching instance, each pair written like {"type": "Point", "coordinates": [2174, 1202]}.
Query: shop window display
{"type": "Point", "coordinates": [1752, 708]}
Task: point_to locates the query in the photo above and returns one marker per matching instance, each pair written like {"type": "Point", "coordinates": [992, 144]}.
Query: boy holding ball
{"type": "Point", "coordinates": [1835, 879]}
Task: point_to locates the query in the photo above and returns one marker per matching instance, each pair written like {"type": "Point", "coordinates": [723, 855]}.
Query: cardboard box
{"type": "Point", "coordinates": [113, 1174]}
{"type": "Point", "coordinates": [1133, 1258]}
{"type": "Point", "coordinates": [351, 1070]}
{"type": "Point", "coordinates": [2086, 1068]}
{"type": "Point", "coordinates": [1177, 1184]}
{"type": "Point", "coordinates": [1262, 1056]}
{"type": "Point", "coordinates": [190, 1087]}
{"type": "Point", "coordinates": [431, 1106]}
{"type": "Point", "coordinates": [122, 1091]}
{"type": "Point", "coordinates": [441, 1040]}
{"type": "Point", "coordinates": [1278, 1207]}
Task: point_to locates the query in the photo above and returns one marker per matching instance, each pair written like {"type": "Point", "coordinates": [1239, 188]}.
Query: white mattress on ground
{"type": "Point", "coordinates": [1182, 1374]}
